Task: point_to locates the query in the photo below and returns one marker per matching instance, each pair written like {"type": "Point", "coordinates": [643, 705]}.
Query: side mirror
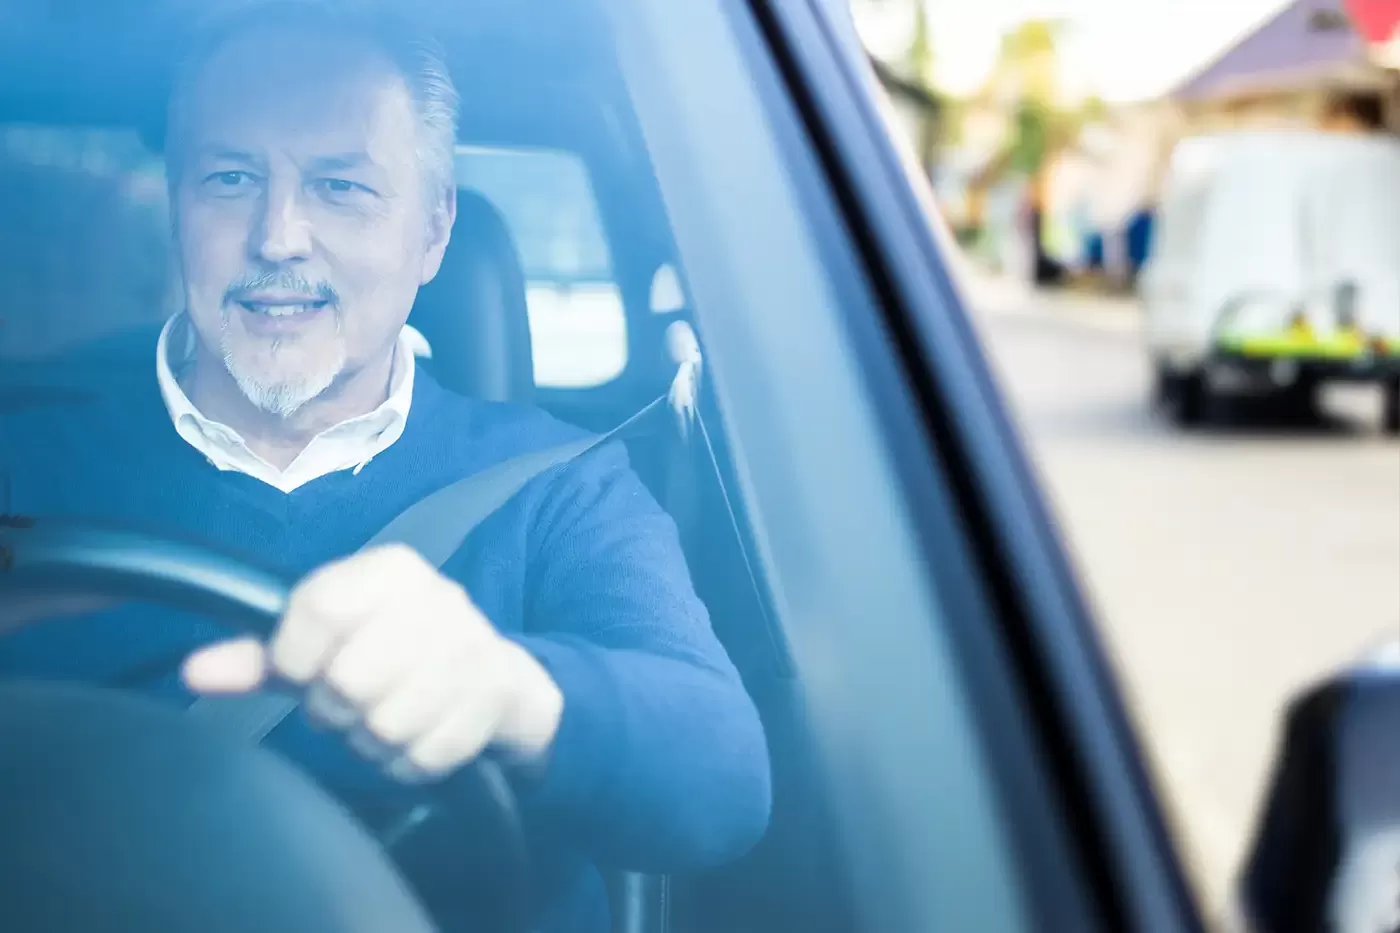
{"type": "Point", "coordinates": [1326, 853]}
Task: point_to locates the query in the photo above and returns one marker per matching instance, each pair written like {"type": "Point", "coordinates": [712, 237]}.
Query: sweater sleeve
{"type": "Point", "coordinates": [660, 763]}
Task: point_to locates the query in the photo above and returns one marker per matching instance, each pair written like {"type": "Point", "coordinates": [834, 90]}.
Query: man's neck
{"type": "Point", "coordinates": [276, 439]}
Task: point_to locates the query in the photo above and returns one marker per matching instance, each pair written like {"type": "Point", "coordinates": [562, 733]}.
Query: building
{"type": "Point", "coordinates": [1282, 72]}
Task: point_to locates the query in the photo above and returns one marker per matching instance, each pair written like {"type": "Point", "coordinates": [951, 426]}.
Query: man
{"type": "Point", "coordinates": [310, 162]}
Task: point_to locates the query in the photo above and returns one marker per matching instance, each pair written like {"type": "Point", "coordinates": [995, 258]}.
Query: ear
{"type": "Point", "coordinates": [439, 234]}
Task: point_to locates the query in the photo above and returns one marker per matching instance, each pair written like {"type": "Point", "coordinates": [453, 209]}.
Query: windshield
{"type": "Point", "coordinates": [356, 365]}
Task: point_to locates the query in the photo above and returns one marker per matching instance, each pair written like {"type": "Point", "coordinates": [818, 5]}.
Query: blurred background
{"type": "Point", "coordinates": [1108, 166]}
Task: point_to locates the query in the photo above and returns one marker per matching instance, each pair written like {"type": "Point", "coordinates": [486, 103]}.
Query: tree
{"type": "Point", "coordinates": [920, 54]}
{"type": "Point", "coordinates": [920, 63]}
{"type": "Point", "coordinates": [1028, 67]}
{"type": "Point", "coordinates": [1030, 137]}
{"type": "Point", "coordinates": [1093, 110]}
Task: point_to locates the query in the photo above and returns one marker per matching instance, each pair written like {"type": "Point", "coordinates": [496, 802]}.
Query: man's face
{"type": "Point", "coordinates": [303, 223]}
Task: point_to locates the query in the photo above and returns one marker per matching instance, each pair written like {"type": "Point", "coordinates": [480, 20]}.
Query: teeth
{"type": "Point", "coordinates": [284, 310]}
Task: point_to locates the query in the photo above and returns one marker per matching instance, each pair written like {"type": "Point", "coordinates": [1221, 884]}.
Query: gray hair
{"type": "Point", "coordinates": [417, 56]}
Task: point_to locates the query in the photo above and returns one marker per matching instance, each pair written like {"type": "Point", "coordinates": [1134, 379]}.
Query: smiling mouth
{"type": "Point", "coordinates": [282, 308]}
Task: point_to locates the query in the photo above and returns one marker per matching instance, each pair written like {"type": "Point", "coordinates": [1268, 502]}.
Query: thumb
{"type": "Point", "coordinates": [236, 666]}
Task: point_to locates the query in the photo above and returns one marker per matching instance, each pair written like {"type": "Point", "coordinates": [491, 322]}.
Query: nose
{"type": "Point", "coordinates": [283, 232]}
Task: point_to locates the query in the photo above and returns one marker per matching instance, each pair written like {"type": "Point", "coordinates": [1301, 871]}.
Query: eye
{"type": "Point", "coordinates": [339, 187]}
{"type": "Point", "coordinates": [230, 179]}
{"type": "Point", "coordinates": [232, 183]}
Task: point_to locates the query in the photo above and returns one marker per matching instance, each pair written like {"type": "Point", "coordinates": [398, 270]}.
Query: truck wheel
{"type": "Point", "coordinates": [1391, 418]}
{"type": "Point", "coordinates": [1300, 400]}
{"type": "Point", "coordinates": [1184, 396]}
{"type": "Point", "coordinates": [1194, 403]}
{"type": "Point", "coordinates": [1163, 383]}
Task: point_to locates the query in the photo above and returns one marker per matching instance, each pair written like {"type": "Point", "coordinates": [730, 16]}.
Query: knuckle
{"type": "Point", "coordinates": [390, 726]}
{"type": "Point", "coordinates": [350, 682]}
{"type": "Point", "coordinates": [406, 771]}
{"type": "Point", "coordinates": [294, 655]}
{"type": "Point", "coordinates": [288, 662]}
{"type": "Point", "coordinates": [316, 602]}
{"type": "Point", "coordinates": [434, 761]}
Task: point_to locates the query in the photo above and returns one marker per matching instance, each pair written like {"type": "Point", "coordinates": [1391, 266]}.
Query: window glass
{"type": "Point", "coordinates": [79, 199]}
{"type": "Point", "coordinates": [294, 266]}
{"type": "Point", "coordinates": [577, 323]}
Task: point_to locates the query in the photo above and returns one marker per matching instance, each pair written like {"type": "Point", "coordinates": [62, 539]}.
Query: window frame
{"type": "Point", "coordinates": [1026, 616]}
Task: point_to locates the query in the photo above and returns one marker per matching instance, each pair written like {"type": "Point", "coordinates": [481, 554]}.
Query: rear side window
{"type": "Point", "coordinates": [577, 322]}
{"type": "Point", "coordinates": [84, 238]}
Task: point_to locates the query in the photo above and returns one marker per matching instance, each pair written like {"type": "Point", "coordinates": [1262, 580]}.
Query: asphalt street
{"type": "Point", "coordinates": [1229, 566]}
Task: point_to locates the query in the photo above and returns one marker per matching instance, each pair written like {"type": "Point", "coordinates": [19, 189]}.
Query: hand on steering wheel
{"type": "Point", "coordinates": [51, 561]}
{"type": "Point", "coordinates": [397, 656]}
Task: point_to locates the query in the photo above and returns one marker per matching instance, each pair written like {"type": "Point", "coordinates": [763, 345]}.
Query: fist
{"type": "Point", "coordinates": [398, 657]}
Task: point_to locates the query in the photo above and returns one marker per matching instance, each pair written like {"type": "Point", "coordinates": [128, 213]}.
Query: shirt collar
{"type": "Point", "coordinates": [348, 445]}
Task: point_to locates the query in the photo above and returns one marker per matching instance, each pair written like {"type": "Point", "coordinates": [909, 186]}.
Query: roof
{"type": "Point", "coordinates": [1306, 41]}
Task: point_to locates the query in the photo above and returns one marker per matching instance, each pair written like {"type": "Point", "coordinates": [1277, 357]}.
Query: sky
{"type": "Point", "coordinates": [1118, 49]}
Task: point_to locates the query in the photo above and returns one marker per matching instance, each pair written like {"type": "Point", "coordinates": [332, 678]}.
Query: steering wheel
{"type": "Point", "coordinates": [47, 562]}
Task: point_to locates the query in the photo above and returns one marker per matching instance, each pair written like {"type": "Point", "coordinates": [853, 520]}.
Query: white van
{"type": "Point", "coordinates": [1275, 266]}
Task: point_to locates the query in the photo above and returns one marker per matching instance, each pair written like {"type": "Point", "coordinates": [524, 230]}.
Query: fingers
{"type": "Point", "coordinates": [445, 716]}
{"type": "Point", "coordinates": [506, 697]}
{"type": "Point", "coordinates": [330, 605]}
{"type": "Point", "coordinates": [236, 666]}
{"type": "Point", "coordinates": [460, 737]}
{"type": "Point", "coordinates": [406, 713]}
{"type": "Point", "coordinates": [396, 656]}
{"type": "Point", "coordinates": [369, 665]}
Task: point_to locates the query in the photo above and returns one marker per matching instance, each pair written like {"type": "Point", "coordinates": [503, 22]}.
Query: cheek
{"type": "Point", "coordinates": [376, 268]}
{"type": "Point", "coordinates": [212, 249]}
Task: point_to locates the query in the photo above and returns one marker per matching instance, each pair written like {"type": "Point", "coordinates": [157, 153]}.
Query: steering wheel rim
{"type": "Point", "coordinates": [43, 557]}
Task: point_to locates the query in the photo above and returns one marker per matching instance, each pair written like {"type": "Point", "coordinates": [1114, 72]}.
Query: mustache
{"type": "Point", "coordinates": [282, 281]}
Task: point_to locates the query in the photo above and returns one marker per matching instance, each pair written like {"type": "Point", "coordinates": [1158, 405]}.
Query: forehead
{"type": "Point", "coordinates": [303, 94]}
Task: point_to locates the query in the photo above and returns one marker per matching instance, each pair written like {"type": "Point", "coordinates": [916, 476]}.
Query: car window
{"type": "Point", "coordinates": [91, 199]}
{"type": "Point", "coordinates": [577, 319]}
{"type": "Point", "coordinates": [728, 626]}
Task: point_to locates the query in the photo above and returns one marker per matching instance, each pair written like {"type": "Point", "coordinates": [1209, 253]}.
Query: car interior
{"type": "Point", "coordinates": [536, 78]}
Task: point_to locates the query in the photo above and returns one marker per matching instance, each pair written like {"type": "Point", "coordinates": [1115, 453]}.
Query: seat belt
{"type": "Point", "coordinates": [437, 526]}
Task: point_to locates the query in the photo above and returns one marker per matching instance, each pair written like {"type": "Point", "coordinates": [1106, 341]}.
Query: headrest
{"type": "Point", "coordinates": [473, 314]}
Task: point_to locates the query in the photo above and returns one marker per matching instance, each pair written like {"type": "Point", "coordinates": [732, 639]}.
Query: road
{"type": "Point", "coordinates": [1228, 567]}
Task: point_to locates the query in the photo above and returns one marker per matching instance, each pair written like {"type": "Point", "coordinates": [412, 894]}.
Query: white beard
{"type": "Point", "coordinates": [285, 395]}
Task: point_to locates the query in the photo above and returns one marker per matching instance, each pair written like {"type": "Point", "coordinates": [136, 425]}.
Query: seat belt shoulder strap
{"type": "Point", "coordinates": [435, 526]}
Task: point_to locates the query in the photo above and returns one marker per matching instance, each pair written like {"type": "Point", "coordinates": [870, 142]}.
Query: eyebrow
{"type": "Point", "coordinates": [228, 154]}
{"type": "Point", "coordinates": [337, 162]}
{"type": "Point", "coordinates": [340, 161]}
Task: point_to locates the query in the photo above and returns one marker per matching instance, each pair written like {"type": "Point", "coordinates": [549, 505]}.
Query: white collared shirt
{"type": "Point", "coordinates": [345, 446]}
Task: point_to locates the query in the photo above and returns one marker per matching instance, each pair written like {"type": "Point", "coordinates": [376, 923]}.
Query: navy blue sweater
{"type": "Point", "coordinates": [660, 763]}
